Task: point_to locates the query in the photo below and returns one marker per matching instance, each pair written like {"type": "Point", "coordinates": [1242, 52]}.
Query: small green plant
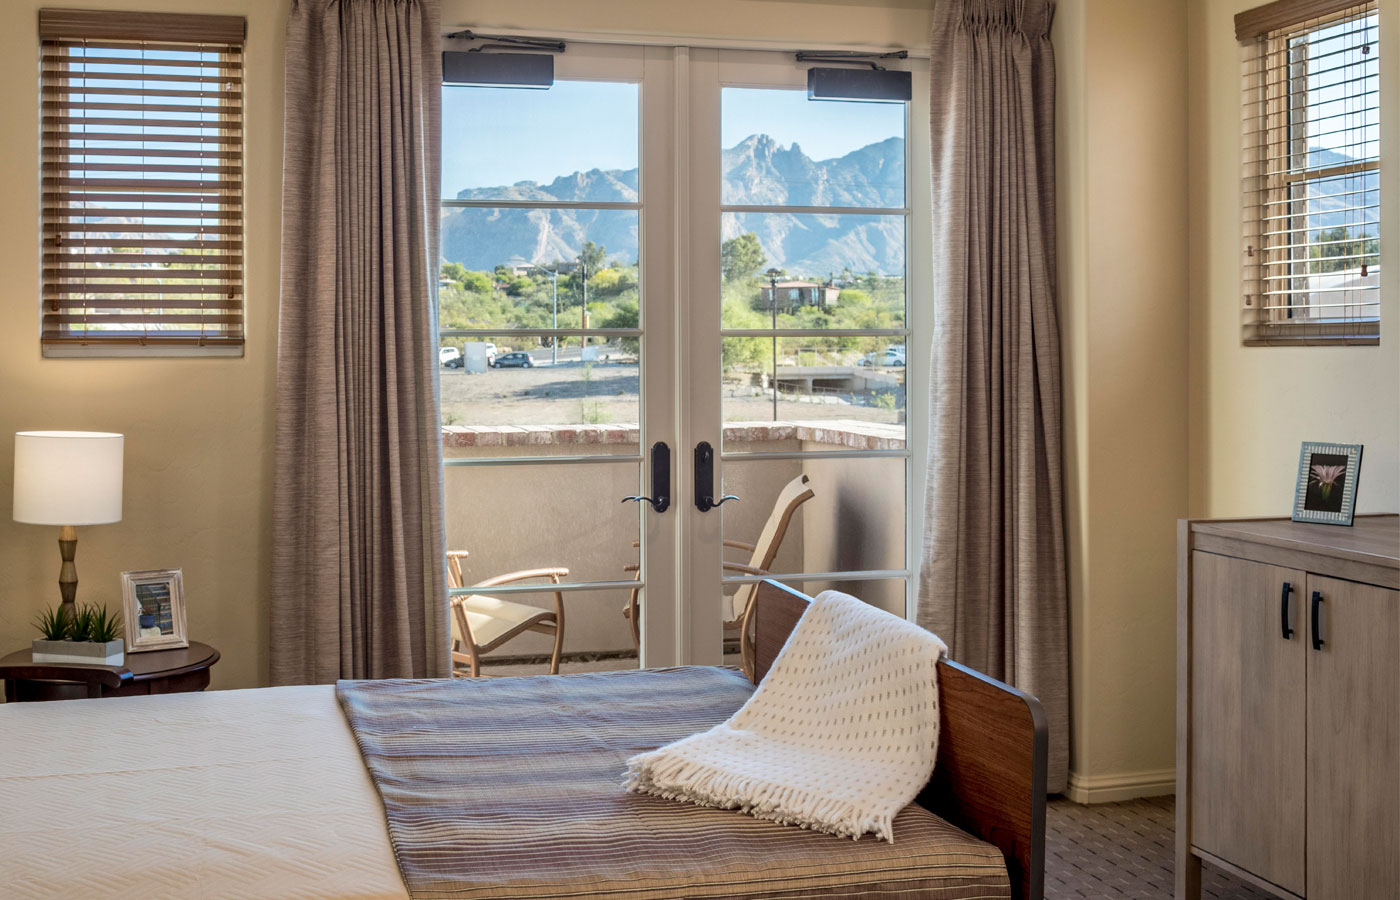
{"type": "Point", "coordinates": [102, 625]}
{"type": "Point", "coordinates": [53, 623]}
{"type": "Point", "coordinates": [80, 625]}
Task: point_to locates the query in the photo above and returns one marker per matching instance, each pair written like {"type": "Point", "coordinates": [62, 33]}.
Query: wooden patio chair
{"type": "Point", "coordinates": [762, 552]}
{"type": "Point", "coordinates": [481, 623]}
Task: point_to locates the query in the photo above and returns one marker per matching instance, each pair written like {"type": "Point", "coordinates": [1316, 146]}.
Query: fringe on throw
{"type": "Point", "coordinates": [675, 778]}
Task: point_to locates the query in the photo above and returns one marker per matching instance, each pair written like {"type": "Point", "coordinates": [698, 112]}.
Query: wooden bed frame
{"type": "Point", "coordinates": [993, 744]}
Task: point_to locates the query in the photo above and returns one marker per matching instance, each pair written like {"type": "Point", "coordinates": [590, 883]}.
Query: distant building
{"type": "Point", "coordinates": [523, 269]}
{"type": "Point", "coordinates": [793, 295]}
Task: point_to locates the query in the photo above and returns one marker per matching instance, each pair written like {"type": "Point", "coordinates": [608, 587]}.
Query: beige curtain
{"type": "Point", "coordinates": [993, 573]}
{"type": "Point", "coordinates": [358, 569]}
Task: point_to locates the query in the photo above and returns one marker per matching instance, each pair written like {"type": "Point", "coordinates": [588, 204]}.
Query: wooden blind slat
{"type": "Point", "coordinates": [219, 303]}
{"type": "Point", "coordinates": [164, 184]}
{"type": "Point", "coordinates": [136, 121]}
{"type": "Point", "coordinates": [109, 91]}
{"type": "Point", "coordinates": [171, 77]}
{"type": "Point", "coordinates": [233, 260]}
{"type": "Point", "coordinates": [78, 149]}
{"type": "Point", "coordinates": [103, 25]}
{"type": "Point", "coordinates": [77, 139]}
{"type": "Point", "coordinates": [117, 287]}
{"type": "Point", "coordinates": [151, 213]}
{"type": "Point", "coordinates": [225, 63]}
{"type": "Point", "coordinates": [135, 243]}
{"type": "Point", "coordinates": [115, 275]}
{"type": "Point", "coordinates": [55, 197]}
{"type": "Point", "coordinates": [72, 276]}
{"type": "Point", "coordinates": [222, 110]}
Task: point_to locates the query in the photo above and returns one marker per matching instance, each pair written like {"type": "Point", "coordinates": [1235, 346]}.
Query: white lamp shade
{"type": "Point", "coordinates": [68, 477]}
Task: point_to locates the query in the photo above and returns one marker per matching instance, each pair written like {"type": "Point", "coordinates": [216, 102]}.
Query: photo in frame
{"type": "Point", "coordinates": [153, 608]}
{"type": "Point", "coordinates": [1326, 489]}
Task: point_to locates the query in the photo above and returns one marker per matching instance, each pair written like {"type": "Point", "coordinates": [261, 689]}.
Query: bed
{"type": "Point", "coordinates": [263, 795]}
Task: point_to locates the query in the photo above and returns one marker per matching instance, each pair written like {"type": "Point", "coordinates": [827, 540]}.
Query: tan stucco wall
{"type": "Point", "coordinates": [1122, 176]}
{"type": "Point", "coordinates": [198, 431]}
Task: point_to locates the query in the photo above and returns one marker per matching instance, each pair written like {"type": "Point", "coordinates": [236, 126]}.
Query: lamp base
{"type": "Point", "coordinates": [68, 572]}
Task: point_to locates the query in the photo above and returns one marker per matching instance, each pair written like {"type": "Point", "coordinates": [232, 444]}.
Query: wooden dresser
{"type": "Point", "coordinates": [1288, 706]}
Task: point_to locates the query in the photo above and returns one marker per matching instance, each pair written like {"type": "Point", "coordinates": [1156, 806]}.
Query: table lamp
{"type": "Point", "coordinates": [68, 478]}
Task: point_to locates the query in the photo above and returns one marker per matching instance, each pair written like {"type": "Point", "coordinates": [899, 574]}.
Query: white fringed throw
{"type": "Point", "coordinates": [840, 735]}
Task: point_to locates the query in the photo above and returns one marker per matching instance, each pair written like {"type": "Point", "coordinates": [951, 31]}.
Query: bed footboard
{"type": "Point", "coordinates": [992, 748]}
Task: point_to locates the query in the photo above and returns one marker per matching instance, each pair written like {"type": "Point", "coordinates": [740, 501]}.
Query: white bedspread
{"type": "Point", "coordinates": [225, 795]}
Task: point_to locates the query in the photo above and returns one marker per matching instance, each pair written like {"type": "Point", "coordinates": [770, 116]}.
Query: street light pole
{"type": "Point", "coordinates": [554, 297]}
{"type": "Point", "coordinates": [554, 338]}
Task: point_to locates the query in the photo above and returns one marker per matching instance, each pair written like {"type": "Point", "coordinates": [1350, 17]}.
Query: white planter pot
{"type": "Point", "coordinates": [83, 653]}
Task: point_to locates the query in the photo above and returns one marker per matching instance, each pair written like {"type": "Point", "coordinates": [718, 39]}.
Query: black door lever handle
{"type": "Point", "coordinates": [660, 479]}
{"type": "Point", "coordinates": [705, 479]}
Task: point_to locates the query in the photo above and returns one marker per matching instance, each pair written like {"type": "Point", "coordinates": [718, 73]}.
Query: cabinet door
{"type": "Point", "coordinates": [1248, 700]}
{"type": "Point", "coordinates": [1354, 742]}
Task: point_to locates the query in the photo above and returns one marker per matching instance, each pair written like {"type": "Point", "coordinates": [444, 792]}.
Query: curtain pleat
{"type": "Point", "coordinates": [992, 580]}
{"type": "Point", "coordinates": [358, 569]}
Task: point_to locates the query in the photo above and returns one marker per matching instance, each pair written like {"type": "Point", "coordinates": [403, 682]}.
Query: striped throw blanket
{"type": "Point", "coordinates": [841, 735]}
{"type": "Point", "coordinates": [509, 788]}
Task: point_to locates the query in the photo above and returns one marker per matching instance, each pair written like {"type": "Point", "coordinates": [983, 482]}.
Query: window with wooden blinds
{"type": "Point", "coordinates": [142, 131]}
{"type": "Point", "coordinates": [1311, 220]}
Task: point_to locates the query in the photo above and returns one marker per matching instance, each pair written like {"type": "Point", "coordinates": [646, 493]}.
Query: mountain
{"type": "Point", "coordinates": [1352, 200]}
{"type": "Point", "coordinates": [756, 171]}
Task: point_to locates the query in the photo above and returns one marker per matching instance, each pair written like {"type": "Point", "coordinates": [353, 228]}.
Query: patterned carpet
{"type": "Point", "coordinates": [1119, 850]}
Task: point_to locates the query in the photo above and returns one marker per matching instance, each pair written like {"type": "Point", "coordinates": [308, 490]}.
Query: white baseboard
{"type": "Point", "coordinates": [1112, 788]}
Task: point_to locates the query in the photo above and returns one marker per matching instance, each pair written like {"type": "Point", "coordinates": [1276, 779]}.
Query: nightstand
{"type": "Point", "coordinates": [154, 672]}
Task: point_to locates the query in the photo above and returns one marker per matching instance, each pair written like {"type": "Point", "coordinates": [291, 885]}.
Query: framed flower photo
{"type": "Point", "coordinates": [1326, 491]}
{"type": "Point", "coordinates": [153, 607]}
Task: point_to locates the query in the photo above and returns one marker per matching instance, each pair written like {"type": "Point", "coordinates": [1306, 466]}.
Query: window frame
{"type": "Point", "coordinates": [1277, 101]}
{"type": "Point", "coordinates": [199, 194]}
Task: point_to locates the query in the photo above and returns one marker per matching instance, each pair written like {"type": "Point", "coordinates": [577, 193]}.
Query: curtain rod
{"type": "Point", "coordinates": [705, 42]}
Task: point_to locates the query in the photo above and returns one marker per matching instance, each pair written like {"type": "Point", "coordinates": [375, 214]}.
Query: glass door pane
{"type": "Point", "coordinates": [541, 298]}
{"type": "Point", "coordinates": [810, 287]}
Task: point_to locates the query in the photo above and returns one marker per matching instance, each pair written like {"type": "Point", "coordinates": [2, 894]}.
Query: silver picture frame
{"type": "Point", "coordinates": [153, 610]}
{"type": "Point", "coordinates": [1325, 491]}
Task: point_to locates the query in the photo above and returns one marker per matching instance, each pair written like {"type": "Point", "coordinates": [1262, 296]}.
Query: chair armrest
{"type": "Point", "coordinates": [744, 569]}
{"type": "Point", "coordinates": [740, 545]}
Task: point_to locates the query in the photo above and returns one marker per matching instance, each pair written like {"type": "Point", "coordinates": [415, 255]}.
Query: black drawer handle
{"type": "Point", "coordinates": [1283, 612]}
{"type": "Point", "coordinates": [1316, 621]}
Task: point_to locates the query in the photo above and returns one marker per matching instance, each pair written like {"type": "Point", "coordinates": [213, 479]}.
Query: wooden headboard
{"type": "Point", "coordinates": [993, 743]}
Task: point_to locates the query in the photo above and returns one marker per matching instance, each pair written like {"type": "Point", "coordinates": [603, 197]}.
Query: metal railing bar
{"type": "Point", "coordinates": [855, 575]}
{"type": "Point", "coordinates": [758, 455]}
{"type": "Point", "coordinates": [815, 210]}
{"type": "Point", "coordinates": [539, 204]}
{"type": "Point", "coordinates": [461, 463]}
{"type": "Point", "coordinates": [547, 588]}
{"type": "Point", "coordinates": [814, 332]}
{"type": "Point", "coordinates": [539, 332]}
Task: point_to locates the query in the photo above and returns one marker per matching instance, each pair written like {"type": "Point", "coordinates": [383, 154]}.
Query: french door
{"type": "Point", "coordinates": [673, 248]}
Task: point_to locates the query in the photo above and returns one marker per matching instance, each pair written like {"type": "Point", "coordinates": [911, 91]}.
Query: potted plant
{"type": "Point", "coordinates": [87, 636]}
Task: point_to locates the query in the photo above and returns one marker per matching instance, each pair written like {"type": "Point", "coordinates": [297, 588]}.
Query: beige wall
{"type": "Point", "coordinates": [1122, 160]}
{"type": "Point", "coordinates": [198, 431]}
{"type": "Point", "coordinates": [1252, 406]}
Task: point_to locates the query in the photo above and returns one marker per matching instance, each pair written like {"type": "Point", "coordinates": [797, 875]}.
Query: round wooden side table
{"type": "Point", "coordinates": [154, 672]}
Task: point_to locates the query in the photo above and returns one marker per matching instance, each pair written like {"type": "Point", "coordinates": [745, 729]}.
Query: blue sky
{"type": "Point", "coordinates": [498, 136]}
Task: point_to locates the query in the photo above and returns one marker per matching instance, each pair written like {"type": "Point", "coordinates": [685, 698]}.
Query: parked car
{"type": "Point", "coordinates": [450, 357]}
{"type": "Point", "coordinates": [893, 356]}
{"type": "Point", "coordinates": [519, 359]}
